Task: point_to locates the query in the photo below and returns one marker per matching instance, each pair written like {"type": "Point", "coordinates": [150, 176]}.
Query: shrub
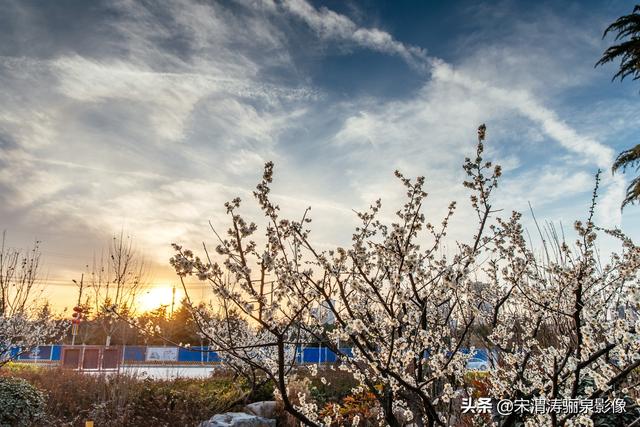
{"type": "Point", "coordinates": [478, 382]}
{"type": "Point", "coordinates": [182, 401]}
{"type": "Point", "coordinates": [120, 400]}
{"type": "Point", "coordinates": [336, 386]}
{"type": "Point", "coordinates": [358, 409]}
{"type": "Point", "coordinates": [21, 404]}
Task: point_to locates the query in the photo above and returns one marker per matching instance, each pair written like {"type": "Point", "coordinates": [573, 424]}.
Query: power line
{"type": "Point", "coordinates": [62, 282]}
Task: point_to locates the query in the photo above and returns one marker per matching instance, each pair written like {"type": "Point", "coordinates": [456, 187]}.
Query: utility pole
{"type": "Point", "coordinates": [77, 311]}
{"type": "Point", "coordinates": [173, 298]}
{"type": "Point", "coordinates": [4, 286]}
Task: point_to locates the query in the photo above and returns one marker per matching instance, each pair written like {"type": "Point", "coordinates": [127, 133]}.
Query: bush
{"type": "Point", "coordinates": [331, 390]}
{"type": "Point", "coordinates": [120, 400]}
{"type": "Point", "coordinates": [21, 404]}
{"type": "Point", "coordinates": [337, 386]}
{"type": "Point", "coordinates": [478, 382]}
{"type": "Point", "coordinates": [181, 401]}
{"type": "Point", "coordinates": [360, 409]}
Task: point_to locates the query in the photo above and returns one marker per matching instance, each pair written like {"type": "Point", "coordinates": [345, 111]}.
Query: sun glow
{"type": "Point", "coordinates": [158, 295]}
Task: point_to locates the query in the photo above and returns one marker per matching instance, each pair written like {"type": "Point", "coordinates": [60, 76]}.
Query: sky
{"type": "Point", "coordinates": [145, 117]}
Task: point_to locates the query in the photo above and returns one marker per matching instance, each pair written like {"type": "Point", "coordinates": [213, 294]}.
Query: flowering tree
{"type": "Point", "coordinates": [259, 324]}
{"type": "Point", "coordinates": [24, 321]}
{"type": "Point", "coordinates": [410, 311]}
{"type": "Point", "coordinates": [566, 325]}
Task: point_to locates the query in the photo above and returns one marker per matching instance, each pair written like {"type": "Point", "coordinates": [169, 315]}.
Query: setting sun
{"type": "Point", "coordinates": [158, 295]}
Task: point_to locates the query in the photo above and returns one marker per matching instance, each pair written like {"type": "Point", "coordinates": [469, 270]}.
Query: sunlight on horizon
{"type": "Point", "coordinates": [158, 295]}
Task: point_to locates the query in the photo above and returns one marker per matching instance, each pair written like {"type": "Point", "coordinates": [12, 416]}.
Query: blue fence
{"type": "Point", "coordinates": [138, 354]}
{"type": "Point", "coordinates": [319, 355]}
{"type": "Point", "coordinates": [132, 354]}
{"type": "Point", "coordinates": [197, 354]}
{"type": "Point", "coordinates": [42, 352]}
{"type": "Point", "coordinates": [135, 353]}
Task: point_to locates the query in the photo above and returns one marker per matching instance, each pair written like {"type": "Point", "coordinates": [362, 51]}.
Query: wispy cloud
{"type": "Point", "coordinates": [340, 28]}
{"type": "Point", "coordinates": [176, 105]}
{"type": "Point", "coordinates": [524, 102]}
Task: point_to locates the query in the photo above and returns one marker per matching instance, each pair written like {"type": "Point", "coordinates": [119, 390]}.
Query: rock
{"type": "Point", "coordinates": [266, 409]}
{"type": "Point", "coordinates": [238, 419]}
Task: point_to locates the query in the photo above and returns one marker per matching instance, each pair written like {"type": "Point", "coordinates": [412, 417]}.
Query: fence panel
{"type": "Point", "coordinates": [41, 352]}
{"type": "Point", "coordinates": [56, 353]}
{"type": "Point", "coordinates": [197, 355]}
{"type": "Point", "coordinates": [135, 353]}
{"type": "Point", "coordinates": [71, 359]}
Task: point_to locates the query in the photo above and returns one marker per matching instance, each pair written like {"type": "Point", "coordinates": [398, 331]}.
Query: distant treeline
{"type": "Point", "coordinates": [177, 327]}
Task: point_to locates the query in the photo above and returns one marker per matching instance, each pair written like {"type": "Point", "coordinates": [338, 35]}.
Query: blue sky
{"type": "Point", "coordinates": [147, 116]}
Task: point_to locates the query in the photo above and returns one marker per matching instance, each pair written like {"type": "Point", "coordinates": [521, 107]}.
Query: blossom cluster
{"type": "Point", "coordinates": [563, 325]}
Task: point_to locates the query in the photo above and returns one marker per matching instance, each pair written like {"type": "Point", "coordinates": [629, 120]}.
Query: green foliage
{"type": "Point", "coordinates": [263, 391]}
{"type": "Point", "coordinates": [176, 327]}
{"type": "Point", "coordinates": [21, 404]}
{"type": "Point", "coordinates": [337, 386]}
{"type": "Point", "coordinates": [629, 158]}
{"type": "Point", "coordinates": [627, 28]}
{"type": "Point", "coordinates": [15, 369]}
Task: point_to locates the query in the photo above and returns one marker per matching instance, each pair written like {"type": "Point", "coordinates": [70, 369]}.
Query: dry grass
{"type": "Point", "coordinates": [124, 400]}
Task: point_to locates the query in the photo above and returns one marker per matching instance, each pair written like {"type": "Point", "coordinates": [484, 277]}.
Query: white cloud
{"type": "Point", "coordinates": [93, 141]}
{"type": "Point", "coordinates": [524, 102]}
{"type": "Point", "coordinates": [158, 135]}
{"type": "Point", "coordinates": [334, 26]}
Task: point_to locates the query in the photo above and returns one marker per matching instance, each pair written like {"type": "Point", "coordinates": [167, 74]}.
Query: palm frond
{"type": "Point", "coordinates": [629, 54]}
{"type": "Point", "coordinates": [627, 158]}
{"type": "Point", "coordinates": [633, 193]}
{"type": "Point", "coordinates": [627, 29]}
{"type": "Point", "coordinates": [625, 25]}
{"type": "Point", "coordinates": [628, 51]}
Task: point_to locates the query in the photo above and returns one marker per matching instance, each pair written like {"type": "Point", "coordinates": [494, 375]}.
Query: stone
{"type": "Point", "coordinates": [265, 409]}
{"type": "Point", "coordinates": [238, 419]}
